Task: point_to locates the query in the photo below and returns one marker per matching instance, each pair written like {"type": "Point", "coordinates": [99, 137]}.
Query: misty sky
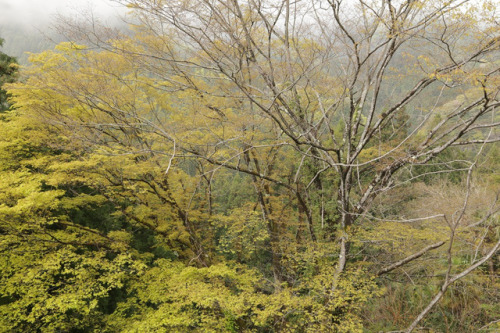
{"type": "Point", "coordinates": [37, 13]}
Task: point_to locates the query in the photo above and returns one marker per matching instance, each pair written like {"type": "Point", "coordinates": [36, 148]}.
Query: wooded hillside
{"type": "Point", "coordinates": [257, 166]}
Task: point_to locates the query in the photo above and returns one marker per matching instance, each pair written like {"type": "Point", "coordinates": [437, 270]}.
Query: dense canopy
{"type": "Point", "coordinates": [256, 166]}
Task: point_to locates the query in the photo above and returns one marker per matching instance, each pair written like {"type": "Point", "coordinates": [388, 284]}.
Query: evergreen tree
{"type": "Point", "coordinates": [8, 74]}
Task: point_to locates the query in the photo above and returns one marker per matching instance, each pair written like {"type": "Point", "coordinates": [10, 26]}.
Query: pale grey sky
{"type": "Point", "coordinates": [37, 13]}
{"type": "Point", "coordinates": [24, 24]}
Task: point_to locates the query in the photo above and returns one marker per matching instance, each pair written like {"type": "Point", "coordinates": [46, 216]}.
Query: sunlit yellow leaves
{"type": "Point", "coordinates": [198, 175]}
{"type": "Point", "coordinates": [60, 283]}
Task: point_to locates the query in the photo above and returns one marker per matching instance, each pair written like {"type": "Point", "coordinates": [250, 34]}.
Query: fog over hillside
{"type": "Point", "coordinates": [27, 25]}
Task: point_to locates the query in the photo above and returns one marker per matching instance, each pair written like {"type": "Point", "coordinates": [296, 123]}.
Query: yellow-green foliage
{"type": "Point", "coordinates": [60, 272]}
{"type": "Point", "coordinates": [58, 288]}
{"type": "Point", "coordinates": [139, 194]}
{"type": "Point", "coordinates": [174, 298]}
{"type": "Point", "coordinates": [63, 271]}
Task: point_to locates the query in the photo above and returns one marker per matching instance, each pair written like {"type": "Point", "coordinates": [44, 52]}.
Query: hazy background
{"type": "Point", "coordinates": [26, 24]}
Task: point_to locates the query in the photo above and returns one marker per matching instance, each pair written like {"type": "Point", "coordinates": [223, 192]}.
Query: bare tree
{"type": "Point", "coordinates": [322, 72]}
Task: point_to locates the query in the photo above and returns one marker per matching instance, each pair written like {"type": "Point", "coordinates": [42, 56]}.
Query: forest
{"type": "Point", "coordinates": [255, 166]}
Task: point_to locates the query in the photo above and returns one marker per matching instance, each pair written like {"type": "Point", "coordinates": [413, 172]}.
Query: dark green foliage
{"type": "Point", "coordinates": [8, 74]}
